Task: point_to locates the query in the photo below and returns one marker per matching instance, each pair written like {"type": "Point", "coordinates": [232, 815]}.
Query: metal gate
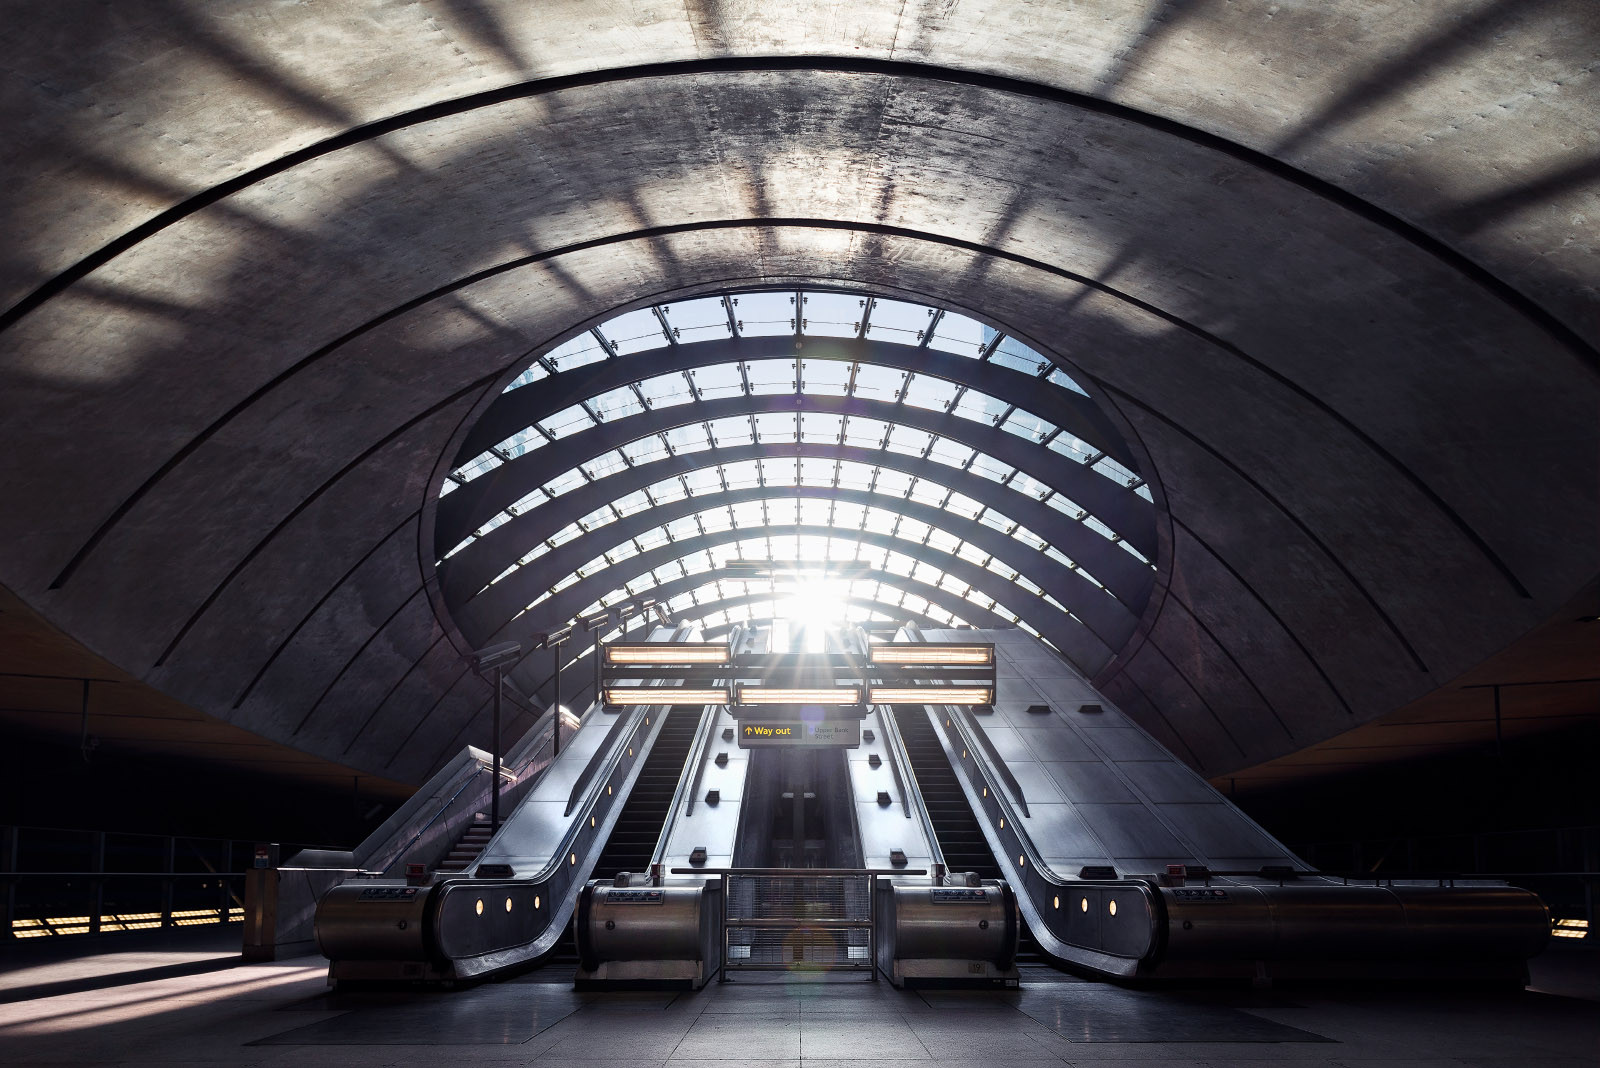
{"type": "Point", "coordinates": [798, 919]}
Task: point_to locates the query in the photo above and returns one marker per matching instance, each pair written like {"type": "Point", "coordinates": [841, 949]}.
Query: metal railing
{"type": "Point", "coordinates": [790, 918]}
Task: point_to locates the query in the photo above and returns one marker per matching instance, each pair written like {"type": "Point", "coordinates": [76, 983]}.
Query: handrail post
{"type": "Point", "coordinates": [494, 777]}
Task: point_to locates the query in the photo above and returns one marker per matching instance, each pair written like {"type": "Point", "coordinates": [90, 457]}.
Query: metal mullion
{"type": "Point", "coordinates": [1005, 414]}
{"type": "Point", "coordinates": [666, 328]}
{"type": "Point", "coordinates": [961, 391]}
{"type": "Point", "coordinates": [611, 352]}
{"type": "Point", "coordinates": [639, 393]}
{"type": "Point", "coordinates": [866, 316]}
{"type": "Point", "coordinates": [933, 323]}
{"type": "Point", "coordinates": [799, 312]}
{"type": "Point", "coordinates": [991, 347]}
{"type": "Point", "coordinates": [850, 384]}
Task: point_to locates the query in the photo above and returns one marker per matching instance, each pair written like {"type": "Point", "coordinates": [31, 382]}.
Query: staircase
{"type": "Point", "coordinates": [468, 847]}
{"type": "Point", "coordinates": [960, 836]}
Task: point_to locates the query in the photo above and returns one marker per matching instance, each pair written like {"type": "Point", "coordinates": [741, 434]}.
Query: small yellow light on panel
{"type": "Point", "coordinates": [660, 654]}
{"type": "Point", "coordinates": [931, 695]}
{"type": "Point", "coordinates": [664, 695]}
{"type": "Point", "coordinates": [815, 695]}
{"type": "Point", "coordinates": [932, 654]}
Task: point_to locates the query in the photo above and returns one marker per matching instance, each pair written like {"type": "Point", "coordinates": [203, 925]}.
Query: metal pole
{"type": "Point", "coordinates": [555, 737]}
{"type": "Point", "coordinates": [1499, 736]}
{"type": "Point", "coordinates": [494, 783]}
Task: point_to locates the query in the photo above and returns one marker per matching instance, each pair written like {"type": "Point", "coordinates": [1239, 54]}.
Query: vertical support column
{"type": "Point", "coordinates": [494, 783]}
{"type": "Point", "coordinates": [97, 893]}
{"type": "Point", "coordinates": [555, 729]}
{"type": "Point", "coordinates": [166, 883]}
{"type": "Point", "coordinates": [9, 842]}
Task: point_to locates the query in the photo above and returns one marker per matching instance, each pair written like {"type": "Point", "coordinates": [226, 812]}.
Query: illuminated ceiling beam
{"type": "Point", "coordinates": [564, 605]}
{"type": "Point", "coordinates": [473, 504]}
{"type": "Point", "coordinates": [1073, 411]}
{"type": "Point", "coordinates": [1102, 612]}
{"type": "Point", "coordinates": [473, 567]}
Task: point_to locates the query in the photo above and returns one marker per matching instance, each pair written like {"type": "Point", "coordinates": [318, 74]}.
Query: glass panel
{"type": "Point", "coordinates": [567, 480]}
{"type": "Point", "coordinates": [893, 483]}
{"type": "Point", "coordinates": [533, 374]}
{"type": "Point", "coordinates": [980, 407]}
{"type": "Point", "coordinates": [878, 383]}
{"type": "Point", "coordinates": [1072, 448]}
{"type": "Point", "coordinates": [567, 422]}
{"type": "Point", "coordinates": [1027, 425]}
{"type": "Point", "coordinates": [779, 472]}
{"type": "Point", "coordinates": [576, 352]}
{"type": "Point", "coordinates": [1018, 357]}
{"type": "Point", "coordinates": [632, 504]}
{"type": "Point", "coordinates": [742, 475]}
{"type": "Point", "coordinates": [764, 314]}
{"type": "Point", "coordinates": [864, 433]}
{"type": "Point", "coordinates": [478, 465]}
{"type": "Point", "coordinates": [718, 380]}
{"type": "Point", "coordinates": [893, 320]}
{"type": "Point", "coordinates": [521, 443]}
{"type": "Point", "coordinates": [605, 464]}
{"type": "Point", "coordinates": [784, 511]}
{"type": "Point", "coordinates": [1065, 381]}
{"type": "Point", "coordinates": [697, 320]}
{"type": "Point", "coordinates": [667, 491]}
{"type": "Point", "coordinates": [952, 453]}
{"type": "Point", "coordinates": [663, 391]}
{"type": "Point", "coordinates": [958, 334]}
{"type": "Point", "coordinates": [820, 429]}
{"type": "Point", "coordinates": [962, 505]}
{"type": "Point", "coordinates": [848, 515]}
{"type": "Point", "coordinates": [814, 512]}
{"type": "Point", "coordinates": [777, 427]}
{"type": "Point", "coordinates": [816, 471]}
{"type": "Point", "coordinates": [990, 468]}
{"type": "Point", "coordinates": [825, 378]}
{"type": "Point", "coordinates": [703, 480]}
{"type": "Point", "coordinates": [634, 331]}
{"type": "Point", "coordinates": [645, 450]}
{"type": "Point", "coordinates": [853, 475]}
{"type": "Point", "coordinates": [908, 442]}
{"type": "Point", "coordinates": [934, 394]}
{"type": "Point", "coordinates": [832, 314]}
{"type": "Point", "coordinates": [688, 438]}
{"type": "Point", "coordinates": [733, 430]}
{"type": "Point", "coordinates": [770, 377]}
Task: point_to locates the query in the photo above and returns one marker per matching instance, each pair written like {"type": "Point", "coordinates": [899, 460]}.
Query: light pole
{"type": "Point", "coordinates": [552, 640]}
{"type": "Point", "coordinates": [496, 658]}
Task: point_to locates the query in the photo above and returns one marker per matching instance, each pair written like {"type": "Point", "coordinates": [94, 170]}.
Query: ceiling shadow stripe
{"type": "Point", "coordinates": [377, 706]}
{"type": "Point", "coordinates": [714, 225]}
{"type": "Point", "coordinates": [1127, 679]}
{"type": "Point", "coordinates": [1262, 601]}
{"type": "Point", "coordinates": [1296, 520]}
{"type": "Point", "coordinates": [310, 499]}
{"type": "Point", "coordinates": [331, 590]}
{"type": "Point", "coordinates": [1183, 677]}
{"type": "Point", "coordinates": [1327, 190]}
{"type": "Point", "coordinates": [351, 659]}
{"type": "Point", "coordinates": [1243, 674]}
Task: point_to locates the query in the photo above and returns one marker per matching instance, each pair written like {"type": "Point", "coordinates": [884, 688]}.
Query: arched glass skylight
{"type": "Point", "coordinates": [850, 474]}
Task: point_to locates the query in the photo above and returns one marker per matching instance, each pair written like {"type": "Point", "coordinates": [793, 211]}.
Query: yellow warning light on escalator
{"type": "Point", "coordinates": [929, 653]}
{"type": "Point", "coordinates": [479, 907]}
{"type": "Point", "coordinates": [1112, 907]}
{"type": "Point", "coordinates": [1084, 905]}
{"type": "Point", "coordinates": [666, 654]}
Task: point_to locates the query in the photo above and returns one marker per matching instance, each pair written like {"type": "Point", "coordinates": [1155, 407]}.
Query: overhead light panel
{"type": "Point", "coordinates": [661, 654]}
{"type": "Point", "coordinates": [906, 654]}
{"type": "Point", "coordinates": [799, 695]}
{"type": "Point", "coordinates": [932, 695]}
{"type": "Point", "coordinates": [664, 695]}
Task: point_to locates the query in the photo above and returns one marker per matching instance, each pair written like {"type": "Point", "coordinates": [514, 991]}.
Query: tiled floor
{"type": "Point", "coordinates": [282, 1014]}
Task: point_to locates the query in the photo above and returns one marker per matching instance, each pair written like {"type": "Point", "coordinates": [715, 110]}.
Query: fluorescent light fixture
{"type": "Point", "coordinates": [664, 695]}
{"type": "Point", "coordinates": [887, 653]}
{"type": "Point", "coordinates": [808, 695]}
{"type": "Point", "coordinates": [931, 695]}
{"type": "Point", "coordinates": [660, 654]}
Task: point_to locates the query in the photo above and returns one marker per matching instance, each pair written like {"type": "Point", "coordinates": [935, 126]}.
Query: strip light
{"type": "Point", "coordinates": [819, 695]}
{"type": "Point", "coordinates": [660, 654]}
{"type": "Point", "coordinates": [932, 695]}
{"type": "Point", "coordinates": [664, 695]}
{"type": "Point", "coordinates": [885, 653]}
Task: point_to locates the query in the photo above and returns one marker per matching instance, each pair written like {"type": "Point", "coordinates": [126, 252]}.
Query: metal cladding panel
{"type": "Point", "coordinates": [1085, 783]}
{"type": "Point", "coordinates": [1126, 743]}
{"type": "Point", "coordinates": [1058, 830]}
{"type": "Point", "coordinates": [885, 829]}
{"type": "Point", "coordinates": [1133, 831]}
{"type": "Point", "coordinates": [1220, 831]}
{"type": "Point", "coordinates": [1169, 782]}
{"type": "Point", "coordinates": [715, 827]}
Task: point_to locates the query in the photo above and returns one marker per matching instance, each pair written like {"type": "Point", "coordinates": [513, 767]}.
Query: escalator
{"type": "Point", "coordinates": [639, 825]}
{"type": "Point", "coordinates": [960, 836]}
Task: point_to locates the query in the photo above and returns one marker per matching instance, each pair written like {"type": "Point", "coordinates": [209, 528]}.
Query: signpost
{"type": "Point", "coordinates": [758, 733]}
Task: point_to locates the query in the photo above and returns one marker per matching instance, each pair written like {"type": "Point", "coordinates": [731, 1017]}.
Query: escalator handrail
{"type": "Point", "coordinates": [998, 761]}
{"type": "Point", "coordinates": [468, 781]}
{"type": "Point", "coordinates": [601, 756]}
{"type": "Point", "coordinates": [898, 752]}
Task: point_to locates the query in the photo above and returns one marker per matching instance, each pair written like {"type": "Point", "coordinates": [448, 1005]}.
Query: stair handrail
{"type": "Point", "coordinates": [468, 781]}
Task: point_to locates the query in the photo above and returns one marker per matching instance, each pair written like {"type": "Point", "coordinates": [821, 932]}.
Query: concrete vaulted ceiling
{"type": "Point", "coordinates": [1328, 269]}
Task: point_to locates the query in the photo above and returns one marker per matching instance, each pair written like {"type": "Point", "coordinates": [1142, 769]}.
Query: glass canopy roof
{"type": "Point", "coordinates": [861, 450]}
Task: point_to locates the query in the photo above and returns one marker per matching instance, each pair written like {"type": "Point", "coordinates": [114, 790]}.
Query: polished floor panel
{"type": "Point", "coordinates": [283, 1015]}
